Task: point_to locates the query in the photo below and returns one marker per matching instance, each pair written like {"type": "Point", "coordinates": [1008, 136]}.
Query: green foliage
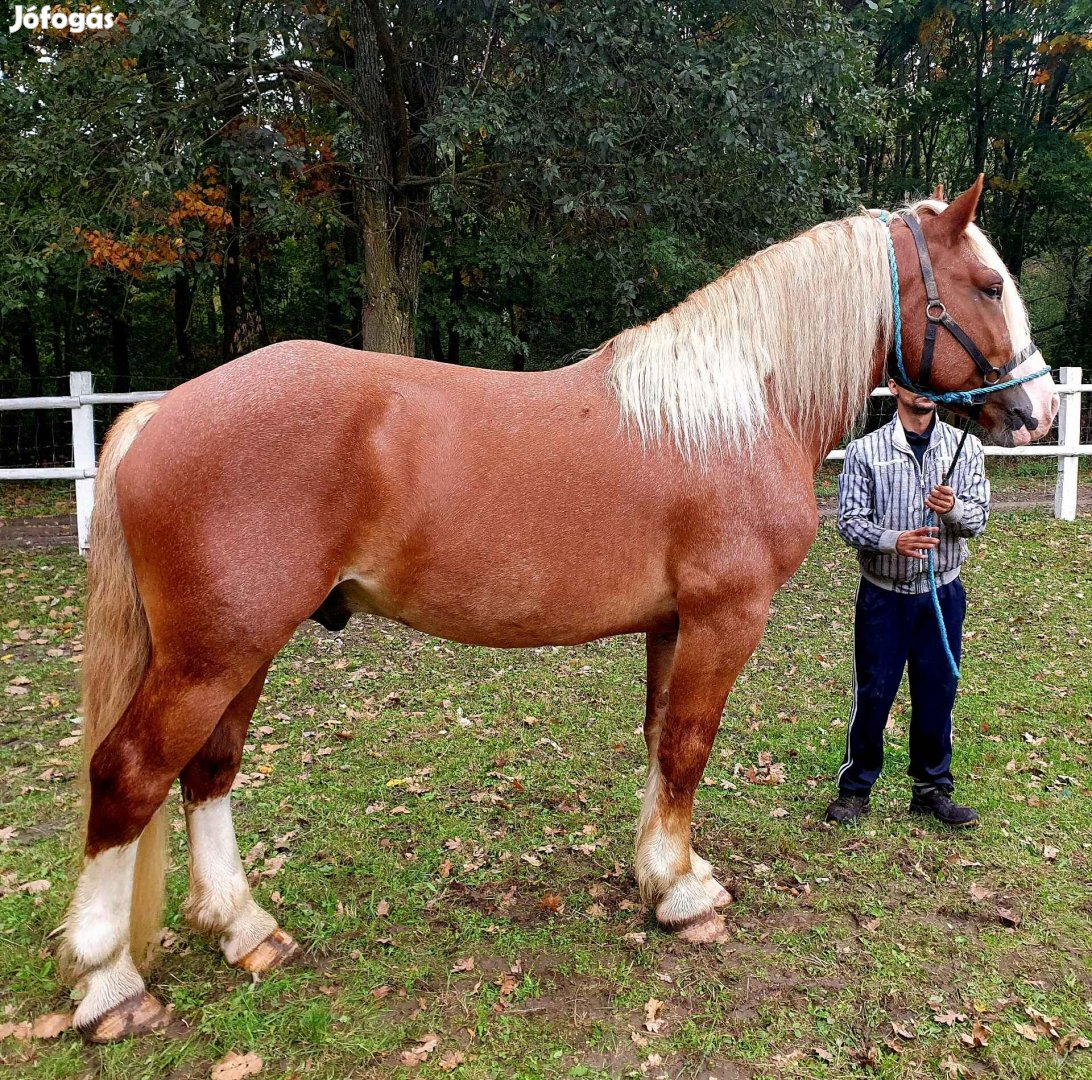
{"type": "Point", "coordinates": [583, 165]}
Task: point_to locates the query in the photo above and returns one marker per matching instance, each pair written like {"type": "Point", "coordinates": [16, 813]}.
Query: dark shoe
{"type": "Point", "coordinates": [847, 808]}
{"type": "Point", "coordinates": [938, 802]}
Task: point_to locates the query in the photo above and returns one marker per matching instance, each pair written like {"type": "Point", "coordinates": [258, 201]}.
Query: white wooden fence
{"type": "Point", "coordinates": [82, 399]}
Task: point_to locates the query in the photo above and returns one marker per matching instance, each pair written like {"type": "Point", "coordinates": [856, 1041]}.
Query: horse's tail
{"type": "Point", "coordinates": [117, 647]}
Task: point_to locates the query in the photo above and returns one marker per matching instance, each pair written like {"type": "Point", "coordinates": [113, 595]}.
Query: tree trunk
{"type": "Point", "coordinates": [30, 360]}
{"type": "Point", "coordinates": [231, 281]}
{"type": "Point", "coordinates": [980, 126]}
{"type": "Point", "coordinates": [259, 305]}
{"type": "Point", "coordinates": [121, 381]}
{"type": "Point", "coordinates": [396, 92]}
{"type": "Point", "coordinates": [183, 309]}
{"type": "Point", "coordinates": [390, 284]}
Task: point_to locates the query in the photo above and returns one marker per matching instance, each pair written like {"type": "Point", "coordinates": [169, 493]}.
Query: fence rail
{"type": "Point", "coordinates": [82, 399]}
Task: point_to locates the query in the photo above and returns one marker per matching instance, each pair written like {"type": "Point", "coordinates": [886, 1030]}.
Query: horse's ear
{"type": "Point", "coordinates": [961, 212]}
{"type": "Point", "coordinates": [938, 192]}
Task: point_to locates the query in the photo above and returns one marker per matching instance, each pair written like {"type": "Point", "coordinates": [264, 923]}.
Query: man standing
{"type": "Point", "coordinates": [891, 479]}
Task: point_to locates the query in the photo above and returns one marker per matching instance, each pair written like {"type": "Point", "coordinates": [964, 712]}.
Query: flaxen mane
{"type": "Point", "coordinates": [789, 334]}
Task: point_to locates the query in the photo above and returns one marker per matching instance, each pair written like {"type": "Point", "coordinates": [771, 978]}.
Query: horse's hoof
{"type": "Point", "coordinates": [275, 951]}
{"type": "Point", "coordinates": [136, 1015]}
{"type": "Point", "coordinates": [716, 892]}
{"type": "Point", "coordinates": [706, 929]}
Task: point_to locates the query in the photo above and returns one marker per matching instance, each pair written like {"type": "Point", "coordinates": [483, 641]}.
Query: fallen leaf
{"type": "Point", "coordinates": [949, 1018]}
{"type": "Point", "coordinates": [417, 1055]}
{"type": "Point", "coordinates": [781, 1060]}
{"type": "Point", "coordinates": [382, 909]}
{"type": "Point", "coordinates": [1049, 853]}
{"type": "Point", "coordinates": [952, 1067]}
{"type": "Point", "coordinates": [869, 1056]}
{"type": "Point", "coordinates": [903, 1031]}
{"type": "Point", "coordinates": [50, 1025]}
{"type": "Point", "coordinates": [465, 964]}
{"type": "Point", "coordinates": [653, 1007]}
{"type": "Point", "coordinates": [271, 866]}
{"type": "Point", "coordinates": [822, 1053]}
{"type": "Point", "coordinates": [1068, 1043]}
{"type": "Point", "coordinates": [1045, 1025]}
{"type": "Point", "coordinates": [980, 893]}
{"type": "Point", "coordinates": [979, 1035]}
{"type": "Point", "coordinates": [233, 1066]}
{"type": "Point", "coordinates": [1028, 1032]}
{"type": "Point", "coordinates": [1009, 916]}
{"type": "Point", "coordinates": [451, 1059]}
{"type": "Point", "coordinates": [40, 886]}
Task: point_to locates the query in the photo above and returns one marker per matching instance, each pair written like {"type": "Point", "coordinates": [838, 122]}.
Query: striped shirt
{"type": "Point", "coordinates": [882, 491]}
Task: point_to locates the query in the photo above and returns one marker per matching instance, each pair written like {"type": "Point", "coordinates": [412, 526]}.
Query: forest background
{"type": "Point", "coordinates": [499, 182]}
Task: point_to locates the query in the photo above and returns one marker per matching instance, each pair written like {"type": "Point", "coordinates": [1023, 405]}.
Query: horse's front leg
{"type": "Point", "coordinates": [660, 656]}
{"type": "Point", "coordinates": [699, 672]}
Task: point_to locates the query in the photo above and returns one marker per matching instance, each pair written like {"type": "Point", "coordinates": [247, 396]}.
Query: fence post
{"type": "Point", "coordinates": [83, 453]}
{"type": "Point", "coordinates": [1069, 436]}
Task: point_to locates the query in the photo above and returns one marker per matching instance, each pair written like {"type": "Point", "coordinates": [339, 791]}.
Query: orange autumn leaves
{"type": "Point", "coordinates": [200, 203]}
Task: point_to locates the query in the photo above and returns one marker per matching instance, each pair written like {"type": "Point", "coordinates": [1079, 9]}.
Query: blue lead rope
{"type": "Point", "coordinates": [952, 397]}
{"type": "Point", "coordinates": [953, 666]}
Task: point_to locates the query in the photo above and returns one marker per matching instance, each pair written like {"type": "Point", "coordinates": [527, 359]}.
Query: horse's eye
{"type": "Point", "coordinates": [994, 291]}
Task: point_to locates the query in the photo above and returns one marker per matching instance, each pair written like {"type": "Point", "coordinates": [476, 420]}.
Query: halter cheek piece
{"type": "Point", "coordinates": [936, 315]}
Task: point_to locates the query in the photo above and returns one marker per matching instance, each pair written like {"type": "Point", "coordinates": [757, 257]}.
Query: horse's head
{"type": "Point", "coordinates": [972, 305]}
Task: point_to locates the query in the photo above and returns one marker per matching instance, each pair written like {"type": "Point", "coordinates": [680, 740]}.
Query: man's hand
{"type": "Point", "coordinates": [941, 499]}
{"type": "Point", "coordinates": [914, 543]}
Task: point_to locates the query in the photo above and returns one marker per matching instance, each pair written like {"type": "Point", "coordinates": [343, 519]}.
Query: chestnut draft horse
{"type": "Point", "coordinates": [663, 486]}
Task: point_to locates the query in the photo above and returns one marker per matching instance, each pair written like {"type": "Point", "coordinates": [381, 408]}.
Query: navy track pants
{"type": "Point", "coordinates": [893, 631]}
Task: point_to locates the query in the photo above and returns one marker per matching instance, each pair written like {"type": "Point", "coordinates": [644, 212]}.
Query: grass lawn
{"type": "Point", "coordinates": [449, 829]}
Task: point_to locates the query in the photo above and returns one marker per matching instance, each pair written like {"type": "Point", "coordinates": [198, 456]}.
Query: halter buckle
{"type": "Point", "coordinates": [938, 306]}
{"type": "Point", "coordinates": [992, 376]}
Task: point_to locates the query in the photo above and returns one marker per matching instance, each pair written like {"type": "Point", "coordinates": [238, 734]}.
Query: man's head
{"type": "Point", "coordinates": [909, 402]}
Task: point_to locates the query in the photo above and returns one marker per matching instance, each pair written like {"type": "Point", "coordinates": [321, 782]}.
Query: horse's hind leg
{"type": "Point", "coordinates": [219, 901]}
{"type": "Point", "coordinates": [660, 656]}
{"type": "Point", "coordinates": [170, 716]}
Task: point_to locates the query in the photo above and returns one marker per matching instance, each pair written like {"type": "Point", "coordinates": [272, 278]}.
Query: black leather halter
{"type": "Point", "coordinates": [936, 315]}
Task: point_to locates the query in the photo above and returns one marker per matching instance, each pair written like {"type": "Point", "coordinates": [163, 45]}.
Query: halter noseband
{"type": "Point", "coordinates": [936, 315]}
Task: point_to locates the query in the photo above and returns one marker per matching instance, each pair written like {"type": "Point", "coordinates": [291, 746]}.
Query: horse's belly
{"type": "Point", "coordinates": [515, 610]}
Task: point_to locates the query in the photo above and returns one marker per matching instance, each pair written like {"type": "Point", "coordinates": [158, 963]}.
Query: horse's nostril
{"type": "Point", "coordinates": [1026, 418]}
